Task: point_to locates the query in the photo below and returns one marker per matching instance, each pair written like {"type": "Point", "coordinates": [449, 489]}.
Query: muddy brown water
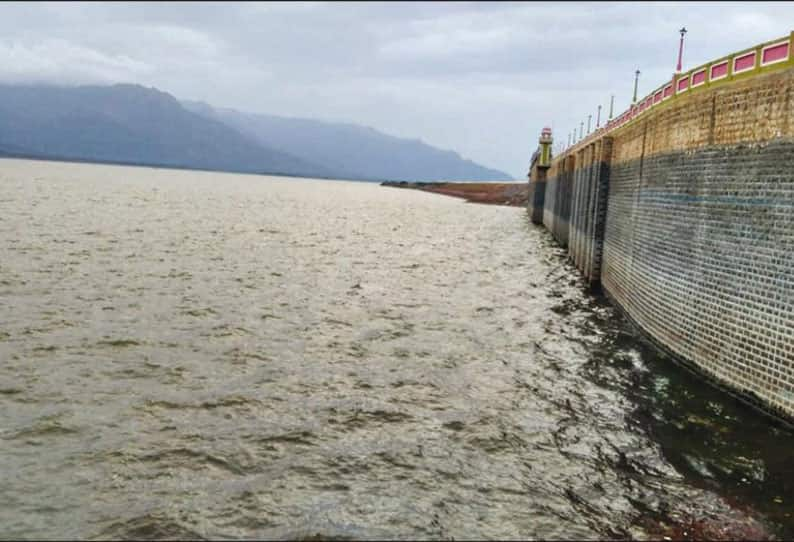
{"type": "Point", "coordinates": [193, 354]}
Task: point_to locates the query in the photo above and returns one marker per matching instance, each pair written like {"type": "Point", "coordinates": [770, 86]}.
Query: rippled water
{"type": "Point", "coordinates": [189, 354]}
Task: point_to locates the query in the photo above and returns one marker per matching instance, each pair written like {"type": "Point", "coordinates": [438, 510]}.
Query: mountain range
{"type": "Point", "coordinates": [132, 124]}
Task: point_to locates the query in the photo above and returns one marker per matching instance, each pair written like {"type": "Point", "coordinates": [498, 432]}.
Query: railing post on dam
{"type": "Point", "coordinates": [681, 209]}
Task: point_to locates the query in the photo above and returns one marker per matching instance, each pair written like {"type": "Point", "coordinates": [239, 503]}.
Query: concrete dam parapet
{"type": "Point", "coordinates": [682, 210]}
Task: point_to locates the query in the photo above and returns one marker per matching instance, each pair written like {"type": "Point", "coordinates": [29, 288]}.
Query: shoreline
{"type": "Point", "coordinates": [511, 194]}
{"type": "Point", "coordinates": [5, 155]}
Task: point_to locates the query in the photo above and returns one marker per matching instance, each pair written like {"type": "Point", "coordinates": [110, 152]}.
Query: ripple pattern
{"type": "Point", "coordinates": [206, 355]}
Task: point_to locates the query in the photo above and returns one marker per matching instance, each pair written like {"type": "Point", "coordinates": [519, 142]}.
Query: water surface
{"type": "Point", "coordinates": [193, 354]}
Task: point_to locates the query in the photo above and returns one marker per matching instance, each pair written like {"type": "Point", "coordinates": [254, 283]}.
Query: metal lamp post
{"type": "Point", "coordinates": [636, 78]}
{"type": "Point", "coordinates": [680, 49]}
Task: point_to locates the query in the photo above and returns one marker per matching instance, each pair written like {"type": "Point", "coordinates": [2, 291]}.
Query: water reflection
{"type": "Point", "coordinates": [715, 440]}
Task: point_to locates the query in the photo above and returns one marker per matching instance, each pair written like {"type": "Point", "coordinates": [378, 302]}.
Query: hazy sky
{"type": "Point", "coordinates": [478, 78]}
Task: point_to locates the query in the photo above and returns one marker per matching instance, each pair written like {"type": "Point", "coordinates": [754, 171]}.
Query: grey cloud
{"type": "Point", "coordinates": [478, 78]}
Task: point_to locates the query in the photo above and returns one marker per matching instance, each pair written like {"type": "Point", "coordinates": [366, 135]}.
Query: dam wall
{"type": "Point", "coordinates": [682, 210]}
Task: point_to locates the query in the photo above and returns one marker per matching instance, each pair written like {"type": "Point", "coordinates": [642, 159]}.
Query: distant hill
{"type": "Point", "coordinates": [130, 124]}
{"type": "Point", "coordinates": [352, 151]}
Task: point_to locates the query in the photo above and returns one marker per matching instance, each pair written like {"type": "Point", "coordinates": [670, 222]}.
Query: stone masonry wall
{"type": "Point", "coordinates": [699, 251]}
{"type": "Point", "coordinates": [588, 212]}
{"type": "Point", "coordinates": [537, 193]}
{"type": "Point", "coordinates": [686, 217]}
{"type": "Point", "coordinates": [557, 204]}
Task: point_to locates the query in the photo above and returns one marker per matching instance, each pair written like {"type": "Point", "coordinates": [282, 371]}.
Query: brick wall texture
{"type": "Point", "coordinates": [537, 192]}
{"type": "Point", "coordinates": [686, 219]}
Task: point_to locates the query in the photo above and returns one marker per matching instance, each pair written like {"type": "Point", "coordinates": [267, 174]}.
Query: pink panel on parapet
{"type": "Point", "coordinates": [698, 78]}
{"type": "Point", "coordinates": [668, 91]}
{"type": "Point", "coordinates": [719, 70]}
{"type": "Point", "coordinates": [775, 53]}
{"type": "Point", "coordinates": [744, 62]}
{"type": "Point", "coordinates": [683, 84]}
{"type": "Point", "coordinates": [657, 97]}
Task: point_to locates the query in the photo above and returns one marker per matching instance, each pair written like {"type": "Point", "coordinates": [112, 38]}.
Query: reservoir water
{"type": "Point", "coordinates": [196, 354]}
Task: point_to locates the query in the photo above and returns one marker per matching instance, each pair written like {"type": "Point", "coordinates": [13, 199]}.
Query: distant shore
{"type": "Point", "coordinates": [13, 155]}
{"type": "Point", "coordinates": [513, 194]}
